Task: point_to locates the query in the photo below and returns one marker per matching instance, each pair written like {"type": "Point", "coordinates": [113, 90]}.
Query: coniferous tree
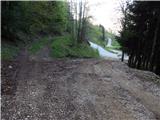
{"type": "Point", "coordinates": [140, 35]}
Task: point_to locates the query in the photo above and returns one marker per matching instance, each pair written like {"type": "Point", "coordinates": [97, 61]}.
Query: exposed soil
{"type": "Point", "coordinates": [43, 54]}
{"type": "Point", "coordinates": [77, 89]}
{"type": "Point", "coordinates": [9, 73]}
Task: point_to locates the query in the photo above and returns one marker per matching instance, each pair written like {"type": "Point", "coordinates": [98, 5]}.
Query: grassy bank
{"type": "Point", "coordinates": [95, 35]}
{"type": "Point", "coordinates": [8, 51]}
{"type": "Point", "coordinates": [115, 44]}
{"type": "Point", "coordinates": [63, 47]}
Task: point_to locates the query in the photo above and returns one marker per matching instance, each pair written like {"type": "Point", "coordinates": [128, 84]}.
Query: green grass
{"type": "Point", "coordinates": [99, 42]}
{"type": "Point", "coordinates": [63, 47]}
{"type": "Point", "coordinates": [8, 52]}
{"type": "Point", "coordinates": [110, 49]}
{"type": "Point", "coordinates": [115, 47]}
{"type": "Point", "coordinates": [83, 50]}
{"type": "Point", "coordinates": [37, 45]}
{"type": "Point", "coordinates": [115, 44]}
{"type": "Point", "coordinates": [95, 35]}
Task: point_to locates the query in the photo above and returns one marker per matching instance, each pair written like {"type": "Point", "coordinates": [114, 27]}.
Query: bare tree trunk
{"type": "Point", "coordinates": [79, 22]}
{"type": "Point", "coordinates": [76, 21]}
{"type": "Point", "coordinates": [103, 32]}
{"type": "Point", "coordinates": [79, 13]}
{"type": "Point", "coordinates": [83, 24]}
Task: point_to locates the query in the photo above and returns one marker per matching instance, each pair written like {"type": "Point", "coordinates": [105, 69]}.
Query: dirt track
{"type": "Point", "coordinates": [81, 89]}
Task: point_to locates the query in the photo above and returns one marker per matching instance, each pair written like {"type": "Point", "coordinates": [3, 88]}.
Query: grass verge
{"type": "Point", "coordinates": [8, 51]}
{"type": "Point", "coordinates": [63, 47]}
{"type": "Point", "coordinates": [115, 44]}
{"type": "Point", "coordinates": [110, 50]}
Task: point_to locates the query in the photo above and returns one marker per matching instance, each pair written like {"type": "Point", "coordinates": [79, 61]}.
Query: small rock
{"type": "Point", "coordinates": [19, 113]}
{"type": "Point", "coordinates": [10, 67]}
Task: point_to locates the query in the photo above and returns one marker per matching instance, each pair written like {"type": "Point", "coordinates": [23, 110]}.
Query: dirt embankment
{"type": "Point", "coordinates": [78, 89]}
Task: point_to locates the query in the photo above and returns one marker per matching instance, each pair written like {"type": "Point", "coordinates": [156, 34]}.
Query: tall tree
{"type": "Point", "coordinates": [141, 35]}
{"type": "Point", "coordinates": [32, 18]}
{"type": "Point", "coordinates": [79, 12]}
{"type": "Point", "coordinates": [103, 32]}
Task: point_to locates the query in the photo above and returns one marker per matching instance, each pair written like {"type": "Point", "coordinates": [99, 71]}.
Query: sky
{"type": "Point", "coordinates": [106, 13]}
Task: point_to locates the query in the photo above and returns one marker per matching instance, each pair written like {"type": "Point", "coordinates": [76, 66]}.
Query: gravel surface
{"type": "Point", "coordinates": [78, 89]}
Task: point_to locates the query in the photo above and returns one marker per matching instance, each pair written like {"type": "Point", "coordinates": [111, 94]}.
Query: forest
{"type": "Point", "coordinates": [60, 62]}
{"type": "Point", "coordinates": [29, 23]}
{"type": "Point", "coordinates": [68, 26]}
{"type": "Point", "coordinates": [140, 36]}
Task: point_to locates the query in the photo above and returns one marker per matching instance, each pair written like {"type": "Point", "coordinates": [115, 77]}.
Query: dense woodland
{"type": "Point", "coordinates": [140, 36]}
{"type": "Point", "coordinates": [69, 25]}
{"type": "Point", "coordinates": [51, 17]}
{"type": "Point", "coordinates": [30, 18]}
{"type": "Point", "coordinates": [25, 21]}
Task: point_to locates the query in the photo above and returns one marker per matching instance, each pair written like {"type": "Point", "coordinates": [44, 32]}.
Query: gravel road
{"type": "Point", "coordinates": [79, 89]}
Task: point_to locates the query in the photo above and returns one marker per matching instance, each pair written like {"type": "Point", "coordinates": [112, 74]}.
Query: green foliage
{"type": "Point", "coordinates": [115, 45]}
{"type": "Point", "coordinates": [8, 51]}
{"type": "Point", "coordinates": [60, 46]}
{"type": "Point", "coordinates": [110, 35]}
{"type": "Point", "coordinates": [22, 21]}
{"type": "Point", "coordinates": [115, 42]}
{"type": "Point", "coordinates": [95, 34]}
{"type": "Point", "coordinates": [83, 50]}
{"type": "Point", "coordinates": [33, 18]}
{"type": "Point", "coordinates": [37, 45]}
{"type": "Point", "coordinates": [140, 36]}
{"type": "Point", "coordinates": [63, 47]}
{"type": "Point", "coordinates": [110, 49]}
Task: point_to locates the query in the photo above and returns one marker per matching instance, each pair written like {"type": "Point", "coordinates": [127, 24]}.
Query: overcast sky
{"type": "Point", "coordinates": [107, 13]}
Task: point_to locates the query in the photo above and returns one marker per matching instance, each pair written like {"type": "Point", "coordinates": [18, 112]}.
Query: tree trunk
{"type": "Point", "coordinates": [80, 23]}
{"type": "Point", "coordinates": [154, 43]}
{"type": "Point", "coordinates": [103, 31]}
{"type": "Point", "coordinates": [122, 59]}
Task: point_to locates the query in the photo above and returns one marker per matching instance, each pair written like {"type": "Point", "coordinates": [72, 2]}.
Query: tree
{"type": "Point", "coordinates": [124, 8]}
{"type": "Point", "coordinates": [79, 17]}
{"type": "Point", "coordinates": [142, 41]}
{"type": "Point", "coordinates": [33, 18]}
{"type": "Point", "coordinates": [103, 32]}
